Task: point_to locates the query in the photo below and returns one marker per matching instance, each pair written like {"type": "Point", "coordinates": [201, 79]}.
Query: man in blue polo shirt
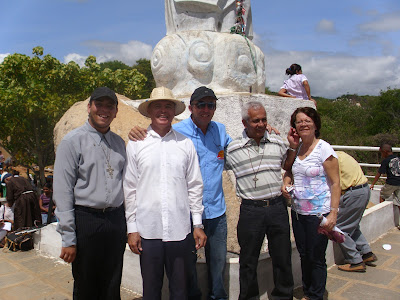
{"type": "Point", "coordinates": [210, 140]}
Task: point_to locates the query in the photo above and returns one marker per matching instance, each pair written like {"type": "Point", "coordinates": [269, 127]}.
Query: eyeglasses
{"type": "Point", "coordinates": [202, 105]}
{"type": "Point", "coordinates": [307, 122]}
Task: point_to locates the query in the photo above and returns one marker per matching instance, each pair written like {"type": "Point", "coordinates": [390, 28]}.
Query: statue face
{"type": "Point", "coordinates": [166, 61]}
{"type": "Point", "coordinates": [224, 62]}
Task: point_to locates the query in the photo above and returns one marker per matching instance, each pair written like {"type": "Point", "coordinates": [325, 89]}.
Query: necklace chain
{"type": "Point", "coordinates": [107, 155]}
{"type": "Point", "coordinates": [255, 179]}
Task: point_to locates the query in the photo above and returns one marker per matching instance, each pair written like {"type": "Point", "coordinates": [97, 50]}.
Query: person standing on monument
{"type": "Point", "coordinates": [89, 196]}
{"type": "Point", "coordinates": [256, 159]}
{"type": "Point", "coordinates": [163, 187]}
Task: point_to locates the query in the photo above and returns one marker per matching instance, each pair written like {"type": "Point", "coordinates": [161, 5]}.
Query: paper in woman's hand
{"type": "Point", "coordinates": [335, 235]}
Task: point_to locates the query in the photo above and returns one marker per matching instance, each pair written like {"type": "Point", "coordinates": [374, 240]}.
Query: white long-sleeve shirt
{"type": "Point", "coordinates": [163, 186]}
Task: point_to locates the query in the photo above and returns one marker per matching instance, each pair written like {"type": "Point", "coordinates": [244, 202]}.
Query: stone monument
{"type": "Point", "coordinates": [199, 48]}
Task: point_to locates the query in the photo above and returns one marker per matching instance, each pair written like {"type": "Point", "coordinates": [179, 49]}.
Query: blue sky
{"type": "Point", "coordinates": [344, 46]}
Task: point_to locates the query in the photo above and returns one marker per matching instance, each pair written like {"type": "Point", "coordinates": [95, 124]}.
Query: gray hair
{"type": "Point", "coordinates": [256, 105]}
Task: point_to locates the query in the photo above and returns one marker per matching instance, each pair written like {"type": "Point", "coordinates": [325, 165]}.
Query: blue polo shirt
{"type": "Point", "coordinates": [210, 151]}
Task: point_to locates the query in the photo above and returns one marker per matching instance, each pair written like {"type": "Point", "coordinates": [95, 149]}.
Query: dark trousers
{"type": "Point", "coordinates": [101, 241]}
{"type": "Point", "coordinates": [254, 223]}
{"type": "Point", "coordinates": [312, 247]}
{"type": "Point", "coordinates": [174, 257]}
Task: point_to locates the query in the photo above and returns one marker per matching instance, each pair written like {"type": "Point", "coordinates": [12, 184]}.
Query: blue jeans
{"type": "Point", "coordinates": [216, 231]}
{"type": "Point", "coordinates": [312, 247]}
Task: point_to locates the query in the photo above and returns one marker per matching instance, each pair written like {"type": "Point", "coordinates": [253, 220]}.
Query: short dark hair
{"type": "Point", "coordinates": [48, 185]}
{"type": "Point", "coordinates": [310, 112]}
{"type": "Point", "coordinates": [386, 147]}
{"type": "Point", "coordinates": [293, 69]}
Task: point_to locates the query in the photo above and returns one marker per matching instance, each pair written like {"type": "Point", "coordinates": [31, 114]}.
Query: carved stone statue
{"type": "Point", "coordinates": [199, 48]}
{"type": "Point", "coordinates": [210, 15]}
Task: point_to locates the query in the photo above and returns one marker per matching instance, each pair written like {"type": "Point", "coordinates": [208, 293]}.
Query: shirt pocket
{"type": "Point", "coordinates": [177, 166]}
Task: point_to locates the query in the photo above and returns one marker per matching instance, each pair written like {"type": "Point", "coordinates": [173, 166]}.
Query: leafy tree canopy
{"type": "Point", "coordinates": [36, 91]}
{"type": "Point", "coordinates": [114, 65]}
{"type": "Point", "coordinates": [144, 67]}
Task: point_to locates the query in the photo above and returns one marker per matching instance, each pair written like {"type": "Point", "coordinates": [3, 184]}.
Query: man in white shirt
{"type": "Point", "coordinates": [163, 187]}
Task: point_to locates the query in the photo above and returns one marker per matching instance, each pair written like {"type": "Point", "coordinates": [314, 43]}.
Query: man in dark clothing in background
{"type": "Point", "coordinates": [26, 209]}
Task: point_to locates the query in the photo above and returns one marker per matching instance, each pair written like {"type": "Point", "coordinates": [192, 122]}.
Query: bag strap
{"type": "Point", "coordinates": [50, 210]}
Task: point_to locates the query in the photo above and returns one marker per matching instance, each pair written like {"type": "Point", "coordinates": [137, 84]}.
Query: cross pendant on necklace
{"type": "Point", "coordinates": [110, 171]}
{"type": "Point", "coordinates": [255, 181]}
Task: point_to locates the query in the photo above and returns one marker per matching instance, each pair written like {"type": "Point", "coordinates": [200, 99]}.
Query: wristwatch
{"type": "Point", "coordinates": [201, 226]}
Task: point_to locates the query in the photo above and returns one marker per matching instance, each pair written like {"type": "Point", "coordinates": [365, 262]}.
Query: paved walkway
{"type": "Point", "coordinates": [380, 282]}
{"type": "Point", "coordinates": [31, 276]}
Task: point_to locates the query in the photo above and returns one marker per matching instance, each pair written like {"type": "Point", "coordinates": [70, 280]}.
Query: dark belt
{"type": "Point", "coordinates": [264, 202]}
{"type": "Point", "coordinates": [356, 187]}
{"type": "Point", "coordinates": [96, 210]}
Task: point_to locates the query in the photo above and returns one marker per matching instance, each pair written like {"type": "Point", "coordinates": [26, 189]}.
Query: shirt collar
{"type": "Point", "coordinates": [98, 136]}
{"type": "Point", "coordinates": [151, 132]}
{"type": "Point", "coordinates": [195, 127]}
{"type": "Point", "coordinates": [246, 141]}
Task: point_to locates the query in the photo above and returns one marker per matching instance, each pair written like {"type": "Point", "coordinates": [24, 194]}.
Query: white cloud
{"type": "Point", "coordinates": [128, 53]}
{"type": "Point", "coordinates": [79, 59]}
{"type": "Point", "coordinates": [383, 23]}
{"type": "Point", "coordinates": [332, 75]}
{"type": "Point", "coordinates": [326, 26]}
{"type": "Point", "coordinates": [3, 56]}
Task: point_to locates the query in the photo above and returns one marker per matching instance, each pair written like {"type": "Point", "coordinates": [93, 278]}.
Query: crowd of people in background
{"type": "Point", "coordinates": [163, 196]}
{"type": "Point", "coordinates": [22, 207]}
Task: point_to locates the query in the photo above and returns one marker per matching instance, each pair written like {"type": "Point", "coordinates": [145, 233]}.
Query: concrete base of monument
{"type": "Point", "coordinates": [376, 221]}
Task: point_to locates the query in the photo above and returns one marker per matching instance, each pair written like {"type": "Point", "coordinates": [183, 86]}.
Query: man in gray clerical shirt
{"type": "Point", "coordinates": [89, 197]}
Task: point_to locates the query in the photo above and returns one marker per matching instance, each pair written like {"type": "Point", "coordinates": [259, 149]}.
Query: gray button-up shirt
{"type": "Point", "coordinates": [82, 176]}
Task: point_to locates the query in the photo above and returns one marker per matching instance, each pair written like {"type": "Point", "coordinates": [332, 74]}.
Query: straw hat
{"type": "Point", "coordinates": [162, 93]}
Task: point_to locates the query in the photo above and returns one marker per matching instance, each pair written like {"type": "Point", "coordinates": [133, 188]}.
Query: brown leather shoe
{"type": "Point", "coordinates": [353, 267]}
{"type": "Point", "coordinates": [369, 258]}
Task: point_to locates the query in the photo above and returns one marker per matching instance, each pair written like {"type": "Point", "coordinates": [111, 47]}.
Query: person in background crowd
{"type": "Point", "coordinates": [390, 166]}
{"type": "Point", "coordinates": [24, 199]}
{"type": "Point", "coordinates": [6, 215]}
{"type": "Point", "coordinates": [44, 202]}
{"type": "Point", "coordinates": [354, 200]}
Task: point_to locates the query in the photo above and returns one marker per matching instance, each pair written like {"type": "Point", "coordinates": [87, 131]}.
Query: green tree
{"type": "Point", "coordinates": [144, 67]}
{"type": "Point", "coordinates": [114, 65]}
{"type": "Point", "coordinates": [385, 112]}
{"type": "Point", "coordinates": [269, 92]}
{"type": "Point", "coordinates": [36, 91]}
